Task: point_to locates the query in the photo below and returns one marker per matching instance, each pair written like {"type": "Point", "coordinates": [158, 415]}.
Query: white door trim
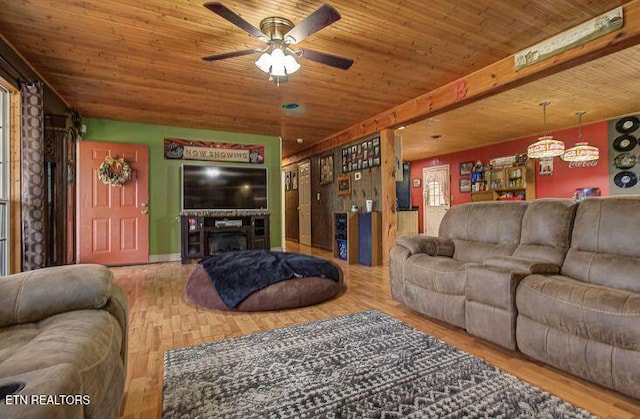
{"type": "Point", "coordinates": [425, 193]}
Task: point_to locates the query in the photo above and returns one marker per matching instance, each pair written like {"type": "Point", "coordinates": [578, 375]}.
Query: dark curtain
{"type": "Point", "coordinates": [33, 176]}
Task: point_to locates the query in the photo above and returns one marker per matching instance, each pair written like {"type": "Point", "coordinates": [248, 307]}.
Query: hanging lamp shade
{"type": "Point", "coordinates": [546, 146]}
{"type": "Point", "coordinates": [582, 151]}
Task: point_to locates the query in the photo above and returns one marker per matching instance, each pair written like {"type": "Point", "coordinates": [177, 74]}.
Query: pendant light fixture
{"type": "Point", "coordinates": [582, 151]}
{"type": "Point", "coordinates": [546, 146]}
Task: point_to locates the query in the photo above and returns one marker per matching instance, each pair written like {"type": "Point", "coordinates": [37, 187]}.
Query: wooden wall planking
{"type": "Point", "coordinates": [292, 227]}
{"type": "Point", "coordinates": [322, 209]}
{"type": "Point", "coordinates": [388, 187]}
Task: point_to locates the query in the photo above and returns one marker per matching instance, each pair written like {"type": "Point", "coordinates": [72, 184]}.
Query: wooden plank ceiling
{"type": "Point", "coordinates": [140, 61]}
{"type": "Point", "coordinates": [604, 88]}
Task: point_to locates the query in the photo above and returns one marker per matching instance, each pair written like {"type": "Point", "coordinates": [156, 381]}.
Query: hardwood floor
{"type": "Point", "coordinates": [159, 319]}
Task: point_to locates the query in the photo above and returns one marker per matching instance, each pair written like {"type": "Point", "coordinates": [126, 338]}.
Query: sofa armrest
{"type": "Point", "coordinates": [118, 307]}
{"type": "Point", "coordinates": [522, 265]}
{"type": "Point", "coordinates": [432, 246]}
{"type": "Point", "coordinates": [35, 295]}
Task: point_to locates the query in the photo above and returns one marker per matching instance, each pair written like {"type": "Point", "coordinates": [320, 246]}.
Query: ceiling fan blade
{"type": "Point", "coordinates": [328, 59]}
{"type": "Point", "coordinates": [224, 55]}
{"type": "Point", "coordinates": [317, 20]}
{"type": "Point", "coordinates": [228, 14]}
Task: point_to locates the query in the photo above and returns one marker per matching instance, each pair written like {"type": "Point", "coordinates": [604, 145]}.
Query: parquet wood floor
{"type": "Point", "coordinates": [159, 319]}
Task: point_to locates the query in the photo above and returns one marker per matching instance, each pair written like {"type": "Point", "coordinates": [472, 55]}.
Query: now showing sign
{"type": "Point", "coordinates": [216, 154]}
{"type": "Point", "coordinates": [180, 149]}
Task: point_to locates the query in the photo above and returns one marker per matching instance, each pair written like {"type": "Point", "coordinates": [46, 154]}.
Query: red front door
{"type": "Point", "coordinates": [113, 221]}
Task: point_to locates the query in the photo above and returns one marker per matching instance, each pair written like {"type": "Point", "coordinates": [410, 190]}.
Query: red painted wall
{"type": "Point", "coordinates": [561, 184]}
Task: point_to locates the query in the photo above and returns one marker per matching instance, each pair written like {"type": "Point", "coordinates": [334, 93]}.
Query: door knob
{"type": "Point", "coordinates": [144, 204]}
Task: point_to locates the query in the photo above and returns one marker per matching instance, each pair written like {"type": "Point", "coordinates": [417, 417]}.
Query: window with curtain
{"type": "Point", "coordinates": [4, 181]}
{"type": "Point", "coordinates": [436, 192]}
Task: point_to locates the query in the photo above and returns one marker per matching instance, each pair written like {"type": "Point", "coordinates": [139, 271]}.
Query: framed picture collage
{"type": "Point", "coordinates": [361, 156]}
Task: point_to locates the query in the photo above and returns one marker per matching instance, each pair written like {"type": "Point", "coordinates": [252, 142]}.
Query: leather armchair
{"type": "Point", "coordinates": [63, 330]}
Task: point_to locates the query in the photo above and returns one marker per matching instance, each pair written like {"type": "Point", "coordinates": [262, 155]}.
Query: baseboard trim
{"type": "Point", "coordinates": [169, 257]}
{"type": "Point", "coordinates": [277, 249]}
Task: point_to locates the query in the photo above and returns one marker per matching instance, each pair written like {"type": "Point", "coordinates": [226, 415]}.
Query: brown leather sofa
{"type": "Point", "coordinates": [429, 273]}
{"type": "Point", "coordinates": [586, 319]}
{"type": "Point", "coordinates": [567, 295]}
{"type": "Point", "coordinates": [63, 332]}
{"type": "Point", "coordinates": [491, 287]}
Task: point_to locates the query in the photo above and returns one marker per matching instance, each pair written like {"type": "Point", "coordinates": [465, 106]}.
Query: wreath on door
{"type": "Point", "coordinates": [114, 172]}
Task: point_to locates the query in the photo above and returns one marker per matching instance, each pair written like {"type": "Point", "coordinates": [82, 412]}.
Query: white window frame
{"type": "Point", "coordinates": [4, 181]}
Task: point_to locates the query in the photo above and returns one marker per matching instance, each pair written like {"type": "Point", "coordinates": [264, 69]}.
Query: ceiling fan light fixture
{"type": "Point", "coordinates": [279, 34]}
{"type": "Point", "coordinates": [264, 62]}
{"type": "Point", "coordinates": [277, 63]}
{"type": "Point", "coordinates": [290, 64]}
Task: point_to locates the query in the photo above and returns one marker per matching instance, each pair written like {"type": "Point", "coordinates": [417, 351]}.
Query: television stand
{"type": "Point", "coordinates": [205, 234]}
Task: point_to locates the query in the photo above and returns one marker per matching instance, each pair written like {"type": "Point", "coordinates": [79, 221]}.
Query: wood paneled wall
{"type": "Point", "coordinates": [388, 187]}
{"type": "Point", "coordinates": [322, 209]}
{"type": "Point", "coordinates": [325, 200]}
{"type": "Point", "coordinates": [368, 187]}
{"type": "Point", "coordinates": [292, 227]}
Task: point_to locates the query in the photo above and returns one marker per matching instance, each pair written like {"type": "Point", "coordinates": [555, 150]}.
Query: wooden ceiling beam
{"type": "Point", "coordinates": [488, 81]}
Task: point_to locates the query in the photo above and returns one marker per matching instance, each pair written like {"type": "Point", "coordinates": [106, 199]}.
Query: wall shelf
{"type": "Point", "coordinates": [511, 183]}
{"type": "Point", "coordinates": [345, 236]}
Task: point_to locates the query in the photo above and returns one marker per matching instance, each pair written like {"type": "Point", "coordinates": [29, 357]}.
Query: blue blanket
{"type": "Point", "coordinates": [236, 275]}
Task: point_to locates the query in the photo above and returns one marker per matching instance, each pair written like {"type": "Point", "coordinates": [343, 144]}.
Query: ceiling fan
{"type": "Point", "coordinates": [280, 34]}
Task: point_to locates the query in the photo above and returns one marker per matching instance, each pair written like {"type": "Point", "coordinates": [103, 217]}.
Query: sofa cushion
{"type": "Point", "coordinates": [489, 222]}
{"type": "Point", "coordinates": [546, 228]}
{"type": "Point", "coordinates": [594, 312]}
{"type": "Point", "coordinates": [477, 252]}
{"type": "Point", "coordinates": [604, 247]}
{"type": "Point", "coordinates": [483, 229]}
{"type": "Point", "coordinates": [440, 274]}
{"type": "Point", "coordinates": [31, 296]}
{"type": "Point", "coordinates": [611, 366]}
{"type": "Point", "coordinates": [522, 265]}
{"type": "Point", "coordinates": [421, 243]}
{"type": "Point", "coordinates": [90, 340]}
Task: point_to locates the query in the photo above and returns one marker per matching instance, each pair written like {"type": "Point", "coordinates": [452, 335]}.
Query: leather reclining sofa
{"type": "Point", "coordinates": [555, 279]}
{"type": "Point", "coordinates": [63, 343]}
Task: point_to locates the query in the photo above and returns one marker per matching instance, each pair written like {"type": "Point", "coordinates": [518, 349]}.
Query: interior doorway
{"type": "Point", "coordinates": [304, 202]}
{"type": "Point", "coordinates": [436, 195]}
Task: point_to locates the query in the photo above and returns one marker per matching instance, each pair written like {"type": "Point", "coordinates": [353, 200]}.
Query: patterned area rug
{"type": "Point", "coordinates": [365, 364]}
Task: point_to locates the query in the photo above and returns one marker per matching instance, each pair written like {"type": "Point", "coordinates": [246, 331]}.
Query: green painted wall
{"type": "Point", "coordinates": [164, 175]}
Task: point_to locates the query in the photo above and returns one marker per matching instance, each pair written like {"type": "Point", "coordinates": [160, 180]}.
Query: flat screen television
{"type": "Point", "coordinates": [221, 188]}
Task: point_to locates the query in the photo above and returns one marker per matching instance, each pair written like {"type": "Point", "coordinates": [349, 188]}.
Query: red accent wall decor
{"type": "Point", "coordinates": [561, 184]}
